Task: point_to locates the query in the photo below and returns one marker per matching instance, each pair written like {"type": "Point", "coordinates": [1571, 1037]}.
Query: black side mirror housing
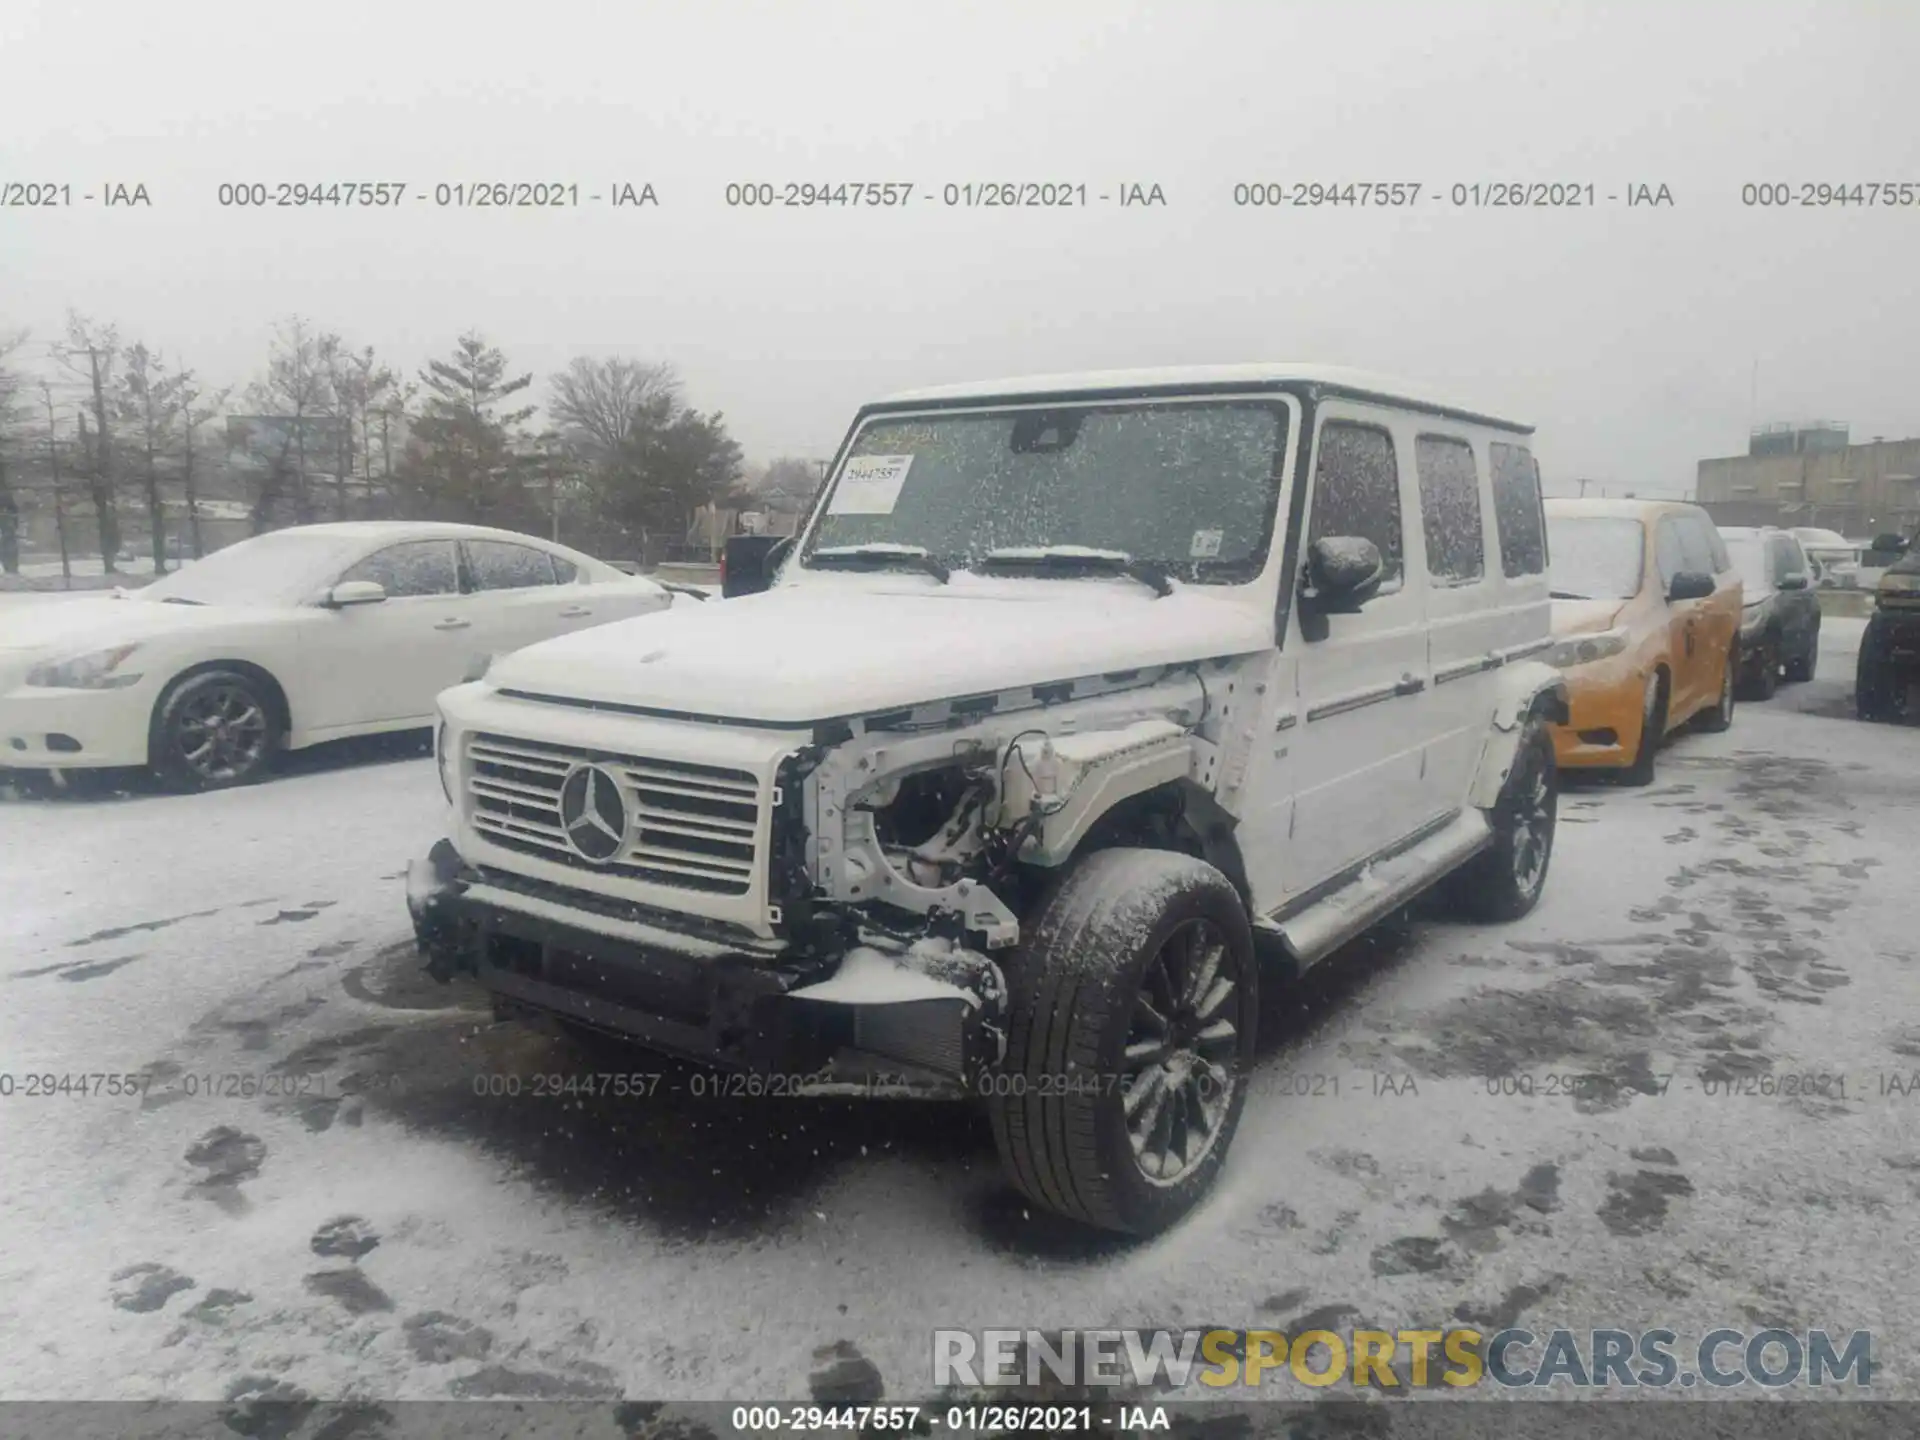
{"type": "Point", "coordinates": [1690, 585]}
{"type": "Point", "coordinates": [1343, 572]}
{"type": "Point", "coordinates": [1791, 582]}
{"type": "Point", "coordinates": [749, 563]}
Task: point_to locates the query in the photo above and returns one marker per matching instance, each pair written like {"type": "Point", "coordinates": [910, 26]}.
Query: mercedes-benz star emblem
{"type": "Point", "coordinates": [592, 814]}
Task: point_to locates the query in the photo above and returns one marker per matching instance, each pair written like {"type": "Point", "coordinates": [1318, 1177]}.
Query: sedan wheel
{"type": "Point", "coordinates": [212, 730]}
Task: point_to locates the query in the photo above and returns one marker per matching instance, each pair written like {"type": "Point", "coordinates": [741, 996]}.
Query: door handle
{"type": "Point", "coordinates": [574, 612]}
{"type": "Point", "coordinates": [451, 624]}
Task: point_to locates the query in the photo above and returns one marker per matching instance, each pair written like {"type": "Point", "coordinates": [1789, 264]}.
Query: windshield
{"type": "Point", "coordinates": [1189, 488]}
{"type": "Point", "coordinates": [1750, 559]}
{"type": "Point", "coordinates": [1594, 557]}
{"type": "Point", "coordinates": [271, 569]}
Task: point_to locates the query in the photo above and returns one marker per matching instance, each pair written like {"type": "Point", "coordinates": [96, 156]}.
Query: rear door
{"type": "Point", "coordinates": [517, 599]}
{"type": "Point", "coordinates": [1465, 627]}
{"type": "Point", "coordinates": [1362, 685]}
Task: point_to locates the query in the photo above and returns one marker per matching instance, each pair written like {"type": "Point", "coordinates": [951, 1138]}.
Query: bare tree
{"type": "Point", "coordinates": [13, 385]}
{"type": "Point", "coordinates": [196, 409]}
{"type": "Point", "coordinates": [89, 352]}
{"type": "Point", "coordinates": [57, 486]}
{"type": "Point", "coordinates": [149, 401]}
{"type": "Point", "coordinates": [597, 404]}
{"type": "Point", "coordinates": [295, 389]}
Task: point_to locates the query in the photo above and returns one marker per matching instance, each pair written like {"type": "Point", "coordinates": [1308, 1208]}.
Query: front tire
{"type": "Point", "coordinates": [1134, 1003]}
{"type": "Point", "coordinates": [1504, 881]}
{"type": "Point", "coordinates": [1878, 688]}
{"type": "Point", "coordinates": [1720, 717]}
{"type": "Point", "coordinates": [1766, 669]}
{"type": "Point", "coordinates": [1800, 669]}
{"type": "Point", "coordinates": [210, 731]}
{"type": "Point", "coordinates": [1653, 731]}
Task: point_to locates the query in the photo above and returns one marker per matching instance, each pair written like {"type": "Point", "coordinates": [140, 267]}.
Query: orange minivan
{"type": "Point", "coordinates": [1646, 626]}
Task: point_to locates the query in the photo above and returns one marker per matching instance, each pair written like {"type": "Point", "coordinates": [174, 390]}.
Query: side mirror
{"type": "Point", "coordinates": [749, 563]}
{"type": "Point", "coordinates": [355, 592]}
{"type": "Point", "coordinates": [1690, 585]}
{"type": "Point", "coordinates": [1343, 571]}
{"type": "Point", "coordinates": [1797, 581]}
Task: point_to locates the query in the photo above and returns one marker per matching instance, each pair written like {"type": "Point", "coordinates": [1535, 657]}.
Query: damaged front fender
{"type": "Point", "coordinates": [1529, 690]}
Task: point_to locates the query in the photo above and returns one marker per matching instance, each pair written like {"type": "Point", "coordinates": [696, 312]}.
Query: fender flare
{"type": "Point", "coordinates": [1529, 690]}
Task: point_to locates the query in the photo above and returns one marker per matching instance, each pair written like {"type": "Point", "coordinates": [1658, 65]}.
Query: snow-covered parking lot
{"type": "Point", "coordinates": [1580, 1119]}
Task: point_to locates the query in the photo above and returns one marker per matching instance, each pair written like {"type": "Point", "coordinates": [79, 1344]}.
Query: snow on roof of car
{"type": "Point", "coordinates": [401, 529]}
{"type": "Point", "coordinates": [1186, 377]}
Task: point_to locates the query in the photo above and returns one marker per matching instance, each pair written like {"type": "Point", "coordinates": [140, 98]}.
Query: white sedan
{"type": "Point", "coordinates": [286, 640]}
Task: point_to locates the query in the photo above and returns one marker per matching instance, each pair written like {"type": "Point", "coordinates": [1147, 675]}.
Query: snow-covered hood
{"type": "Point", "coordinates": [1582, 617]}
{"type": "Point", "coordinates": [72, 626]}
{"type": "Point", "coordinates": [796, 654]}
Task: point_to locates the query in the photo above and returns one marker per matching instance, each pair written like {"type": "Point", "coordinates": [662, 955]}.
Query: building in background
{"type": "Point", "coordinates": [1811, 474]}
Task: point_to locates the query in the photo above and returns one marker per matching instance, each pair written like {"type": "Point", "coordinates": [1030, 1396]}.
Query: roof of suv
{"type": "Point", "coordinates": [1270, 375]}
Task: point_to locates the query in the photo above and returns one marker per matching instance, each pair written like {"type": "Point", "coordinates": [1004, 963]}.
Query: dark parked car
{"type": "Point", "coordinates": [1780, 619]}
{"type": "Point", "coordinates": [1890, 650]}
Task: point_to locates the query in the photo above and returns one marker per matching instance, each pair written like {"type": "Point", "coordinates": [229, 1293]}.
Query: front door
{"type": "Point", "coordinates": [1363, 687]}
{"type": "Point", "coordinates": [1683, 627]}
{"type": "Point", "coordinates": [385, 662]}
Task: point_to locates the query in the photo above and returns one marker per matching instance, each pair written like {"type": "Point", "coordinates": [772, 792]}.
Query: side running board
{"type": "Point", "coordinates": [1380, 888]}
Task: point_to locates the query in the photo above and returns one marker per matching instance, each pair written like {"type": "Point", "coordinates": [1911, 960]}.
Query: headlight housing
{"type": "Point", "coordinates": [441, 761]}
{"type": "Point", "coordinates": [1583, 649]}
{"type": "Point", "coordinates": [95, 670]}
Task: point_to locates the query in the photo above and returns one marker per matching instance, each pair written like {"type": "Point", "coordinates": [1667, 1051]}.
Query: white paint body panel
{"type": "Point", "coordinates": [351, 671]}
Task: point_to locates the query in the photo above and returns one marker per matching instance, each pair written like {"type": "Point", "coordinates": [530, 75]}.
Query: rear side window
{"type": "Point", "coordinates": [1356, 491]}
{"type": "Point", "coordinates": [1450, 509]}
{"type": "Point", "coordinates": [565, 572]}
{"type": "Point", "coordinates": [497, 565]}
{"type": "Point", "coordinates": [419, 567]}
{"type": "Point", "coordinates": [1786, 556]}
{"type": "Point", "coordinates": [1698, 541]}
{"type": "Point", "coordinates": [1516, 510]}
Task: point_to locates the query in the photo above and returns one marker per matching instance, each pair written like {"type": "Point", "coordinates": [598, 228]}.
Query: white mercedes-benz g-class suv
{"type": "Point", "coordinates": [1075, 702]}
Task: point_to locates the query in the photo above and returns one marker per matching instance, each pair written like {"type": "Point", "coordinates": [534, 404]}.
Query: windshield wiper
{"type": "Point", "coordinates": [879, 557]}
{"type": "Point", "coordinates": [1566, 595]}
{"type": "Point", "coordinates": [179, 600]}
{"type": "Point", "coordinates": [1083, 560]}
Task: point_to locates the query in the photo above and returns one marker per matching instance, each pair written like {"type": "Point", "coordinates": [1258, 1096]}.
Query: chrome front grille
{"type": "Point", "coordinates": [690, 826]}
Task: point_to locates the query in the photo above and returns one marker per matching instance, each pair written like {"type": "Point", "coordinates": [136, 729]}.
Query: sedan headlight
{"type": "Point", "coordinates": [1581, 649]}
{"type": "Point", "coordinates": [96, 670]}
{"type": "Point", "coordinates": [1903, 583]}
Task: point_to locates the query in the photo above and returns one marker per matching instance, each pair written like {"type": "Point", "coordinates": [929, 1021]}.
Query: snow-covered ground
{"type": "Point", "coordinates": [1749, 915]}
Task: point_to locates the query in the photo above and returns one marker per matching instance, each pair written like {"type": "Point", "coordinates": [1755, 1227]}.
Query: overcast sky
{"type": "Point", "coordinates": [1629, 336]}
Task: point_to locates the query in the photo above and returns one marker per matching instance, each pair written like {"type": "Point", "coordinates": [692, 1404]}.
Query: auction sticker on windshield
{"type": "Point", "coordinates": [870, 485]}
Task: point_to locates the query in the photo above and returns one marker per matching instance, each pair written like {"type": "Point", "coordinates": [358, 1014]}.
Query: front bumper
{"type": "Point", "coordinates": [1604, 704]}
{"type": "Point", "coordinates": [54, 729]}
{"type": "Point", "coordinates": [704, 995]}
